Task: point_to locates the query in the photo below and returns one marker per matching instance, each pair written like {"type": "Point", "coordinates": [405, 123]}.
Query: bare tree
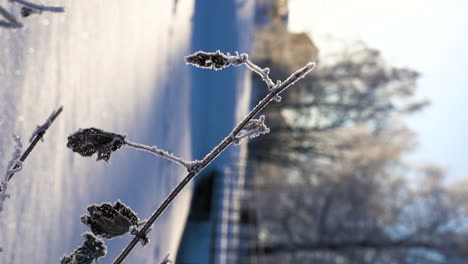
{"type": "Point", "coordinates": [359, 87]}
{"type": "Point", "coordinates": [334, 168]}
{"type": "Point", "coordinates": [359, 209]}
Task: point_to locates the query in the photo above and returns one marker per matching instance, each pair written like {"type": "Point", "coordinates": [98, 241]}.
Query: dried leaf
{"type": "Point", "coordinates": [88, 253]}
{"type": "Point", "coordinates": [208, 60]}
{"type": "Point", "coordinates": [109, 221]}
{"type": "Point", "coordinates": [88, 141]}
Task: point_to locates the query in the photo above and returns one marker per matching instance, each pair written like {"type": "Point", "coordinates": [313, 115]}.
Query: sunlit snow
{"type": "Point", "coordinates": [109, 65]}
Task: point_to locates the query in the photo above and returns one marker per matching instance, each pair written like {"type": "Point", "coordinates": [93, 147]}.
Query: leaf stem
{"type": "Point", "coordinates": [161, 153]}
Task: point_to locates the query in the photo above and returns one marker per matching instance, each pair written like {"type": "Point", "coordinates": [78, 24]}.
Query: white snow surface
{"type": "Point", "coordinates": [116, 66]}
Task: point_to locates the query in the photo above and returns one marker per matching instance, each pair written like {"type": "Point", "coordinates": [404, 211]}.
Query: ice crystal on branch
{"type": "Point", "coordinates": [134, 230]}
{"type": "Point", "coordinates": [41, 130]}
{"type": "Point", "coordinates": [14, 166]}
{"type": "Point", "coordinates": [252, 129]}
{"type": "Point", "coordinates": [88, 141]}
{"type": "Point", "coordinates": [88, 253]}
{"type": "Point", "coordinates": [109, 221]}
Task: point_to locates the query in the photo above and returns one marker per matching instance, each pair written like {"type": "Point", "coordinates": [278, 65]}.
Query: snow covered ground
{"type": "Point", "coordinates": [116, 66]}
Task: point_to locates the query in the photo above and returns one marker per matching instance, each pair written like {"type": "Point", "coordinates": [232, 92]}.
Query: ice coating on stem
{"type": "Point", "coordinates": [252, 129]}
{"type": "Point", "coordinates": [42, 129]}
{"type": "Point", "coordinates": [190, 165]}
{"type": "Point", "coordinates": [14, 166]}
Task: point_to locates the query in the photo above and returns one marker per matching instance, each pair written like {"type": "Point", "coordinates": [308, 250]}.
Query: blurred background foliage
{"type": "Point", "coordinates": [331, 182]}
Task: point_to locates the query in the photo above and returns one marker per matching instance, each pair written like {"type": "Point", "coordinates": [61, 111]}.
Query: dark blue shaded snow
{"type": "Point", "coordinates": [218, 97]}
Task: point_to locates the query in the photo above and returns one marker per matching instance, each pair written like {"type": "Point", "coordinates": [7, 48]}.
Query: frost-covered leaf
{"type": "Point", "coordinates": [109, 221]}
{"type": "Point", "coordinates": [88, 141]}
{"type": "Point", "coordinates": [88, 253]}
{"type": "Point", "coordinates": [209, 60]}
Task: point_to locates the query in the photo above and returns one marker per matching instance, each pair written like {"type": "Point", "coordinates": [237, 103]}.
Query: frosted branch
{"type": "Point", "coordinates": [190, 165]}
{"type": "Point", "coordinates": [42, 129]}
{"type": "Point", "coordinates": [17, 160]}
{"type": "Point", "coordinates": [264, 73]}
{"type": "Point", "coordinates": [14, 166]}
{"type": "Point", "coordinates": [39, 8]}
{"type": "Point", "coordinates": [205, 60]}
{"type": "Point", "coordinates": [144, 240]}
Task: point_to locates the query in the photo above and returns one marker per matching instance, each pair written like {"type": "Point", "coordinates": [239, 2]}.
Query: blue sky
{"type": "Point", "coordinates": [428, 36]}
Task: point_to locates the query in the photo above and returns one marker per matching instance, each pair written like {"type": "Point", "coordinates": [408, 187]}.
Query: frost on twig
{"type": "Point", "coordinates": [189, 165]}
{"type": "Point", "coordinates": [88, 141]}
{"type": "Point", "coordinates": [109, 221]}
{"type": "Point", "coordinates": [88, 253]}
{"type": "Point", "coordinates": [40, 130]}
{"type": "Point", "coordinates": [16, 163]}
{"type": "Point", "coordinates": [252, 129]}
{"type": "Point", "coordinates": [134, 230]}
{"type": "Point", "coordinates": [14, 166]}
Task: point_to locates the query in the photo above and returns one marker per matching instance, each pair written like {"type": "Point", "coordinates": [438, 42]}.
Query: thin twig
{"type": "Point", "coordinates": [262, 72]}
{"type": "Point", "coordinates": [36, 139]}
{"type": "Point", "coordinates": [212, 155]}
{"type": "Point", "coordinates": [161, 153]}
